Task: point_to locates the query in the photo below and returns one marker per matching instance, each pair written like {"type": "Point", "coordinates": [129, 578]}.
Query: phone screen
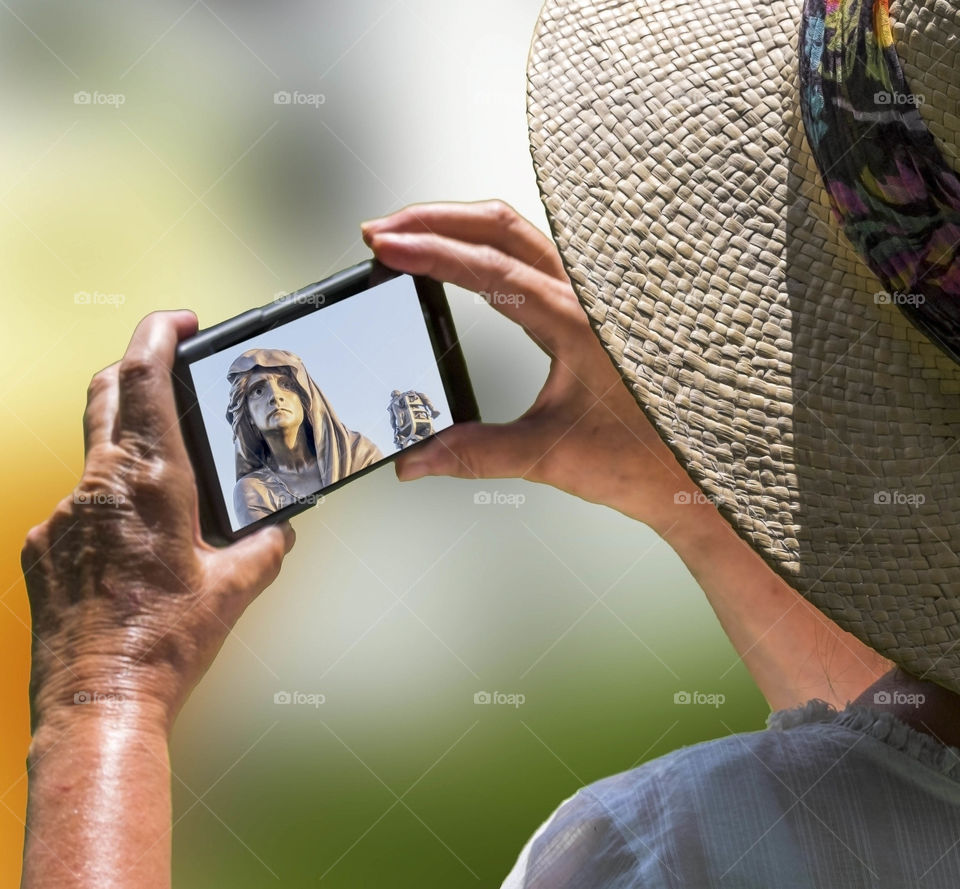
{"type": "Point", "coordinates": [291, 411]}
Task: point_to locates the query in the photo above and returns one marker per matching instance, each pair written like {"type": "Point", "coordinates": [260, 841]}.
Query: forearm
{"type": "Point", "coordinates": [791, 649]}
{"type": "Point", "coordinates": [98, 813]}
{"type": "Point", "coordinates": [128, 603]}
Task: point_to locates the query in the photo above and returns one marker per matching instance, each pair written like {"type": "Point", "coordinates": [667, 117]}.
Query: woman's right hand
{"type": "Point", "coordinates": [584, 433]}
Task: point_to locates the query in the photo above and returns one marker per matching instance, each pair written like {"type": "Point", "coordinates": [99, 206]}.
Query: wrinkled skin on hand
{"type": "Point", "coordinates": [129, 605]}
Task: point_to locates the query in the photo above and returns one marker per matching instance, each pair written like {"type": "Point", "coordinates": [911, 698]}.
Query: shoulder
{"type": "Point", "coordinates": [675, 820]}
{"type": "Point", "coordinates": [255, 483]}
{"type": "Point", "coordinates": [365, 451]}
{"type": "Point", "coordinates": [256, 494]}
{"type": "Point", "coordinates": [697, 789]}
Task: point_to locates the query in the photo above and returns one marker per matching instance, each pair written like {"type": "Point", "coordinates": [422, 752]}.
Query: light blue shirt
{"type": "Point", "coordinates": [819, 799]}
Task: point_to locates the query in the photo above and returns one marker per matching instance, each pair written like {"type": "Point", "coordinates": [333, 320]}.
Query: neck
{"type": "Point", "coordinates": [923, 705]}
{"type": "Point", "coordinates": [290, 449]}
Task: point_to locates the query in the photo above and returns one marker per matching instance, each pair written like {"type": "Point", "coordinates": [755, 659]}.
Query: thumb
{"type": "Point", "coordinates": [476, 450]}
{"type": "Point", "coordinates": [251, 565]}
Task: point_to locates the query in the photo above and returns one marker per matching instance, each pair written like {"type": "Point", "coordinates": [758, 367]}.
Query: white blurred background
{"type": "Point", "coordinates": [400, 602]}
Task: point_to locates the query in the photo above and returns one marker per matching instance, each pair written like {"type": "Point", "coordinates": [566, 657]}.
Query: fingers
{"type": "Point", "coordinates": [100, 415]}
{"type": "Point", "coordinates": [529, 297]}
{"type": "Point", "coordinates": [253, 563]}
{"type": "Point", "coordinates": [147, 414]}
{"type": "Point", "coordinates": [485, 222]}
{"type": "Point", "coordinates": [479, 450]}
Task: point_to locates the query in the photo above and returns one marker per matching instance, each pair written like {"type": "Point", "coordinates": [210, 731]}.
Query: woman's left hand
{"type": "Point", "coordinates": [129, 605]}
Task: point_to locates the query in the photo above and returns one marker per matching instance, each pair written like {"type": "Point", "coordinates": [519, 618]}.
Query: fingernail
{"type": "Point", "coordinates": [289, 536]}
{"type": "Point", "coordinates": [411, 469]}
{"type": "Point", "coordinates": [377, 240]}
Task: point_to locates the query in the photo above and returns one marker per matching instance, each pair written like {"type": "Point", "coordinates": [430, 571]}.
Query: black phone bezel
{"type": "Point", "coordinates": [214, 517]}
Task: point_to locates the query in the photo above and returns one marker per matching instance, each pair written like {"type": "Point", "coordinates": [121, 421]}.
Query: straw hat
{"type": "Point", "coordinates": [783, 366]}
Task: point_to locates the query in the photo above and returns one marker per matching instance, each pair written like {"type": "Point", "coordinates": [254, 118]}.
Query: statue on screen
{"type": "Point", "coordinates": [411, 414]}
{"type": "Point", "coordinates": [289, 442]}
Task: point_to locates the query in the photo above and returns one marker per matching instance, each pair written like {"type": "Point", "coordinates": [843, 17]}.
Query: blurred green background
{"type": "Point", "coordinates": [182, 183]}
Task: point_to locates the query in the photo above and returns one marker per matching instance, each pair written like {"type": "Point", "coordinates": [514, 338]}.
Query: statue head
{"type": "Point", "coordinates": [395, 393]}
{"type": "Point", "coordinates": [266, 395]}
{"type": "Point", "coordinates": [271, 391]}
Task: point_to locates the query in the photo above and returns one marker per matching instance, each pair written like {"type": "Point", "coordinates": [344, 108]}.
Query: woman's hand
{"type": "Point", "coordinates": [586, 435]}
{"type": "Point", "coordinates": [129, 605]}
{"type": "Point", "coordinates": [584, 432]}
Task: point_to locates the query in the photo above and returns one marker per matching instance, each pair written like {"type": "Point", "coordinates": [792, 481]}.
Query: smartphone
{"type": "Point", "coordinates": [283, 404]}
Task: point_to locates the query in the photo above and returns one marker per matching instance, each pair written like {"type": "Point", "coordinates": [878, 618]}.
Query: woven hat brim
{"type": "Point", "coordinates": [690, 217]}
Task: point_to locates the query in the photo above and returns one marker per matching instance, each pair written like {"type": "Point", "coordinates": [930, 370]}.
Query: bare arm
{"type": "Point", "coordinates": [586, 435]}
{"type": "Point", "coordinates": [98, 813]}
{"type": "Point", "coordinates": [791, 649]}
{"type": "Point", "coordinates": [129, 608]}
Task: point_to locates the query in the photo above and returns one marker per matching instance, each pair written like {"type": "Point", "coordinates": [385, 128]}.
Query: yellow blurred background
{"type": "Point", "coordinates": [147, 165]}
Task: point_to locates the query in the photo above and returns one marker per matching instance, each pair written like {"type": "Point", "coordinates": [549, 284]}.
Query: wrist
{"type": "Point", "coordinates": [96, 712]}
{"type": "Point", "coordinates": [101, 698]}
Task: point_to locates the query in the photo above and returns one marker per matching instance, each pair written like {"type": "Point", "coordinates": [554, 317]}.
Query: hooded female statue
{"type": "Point", "coordinates": [289, 442]}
